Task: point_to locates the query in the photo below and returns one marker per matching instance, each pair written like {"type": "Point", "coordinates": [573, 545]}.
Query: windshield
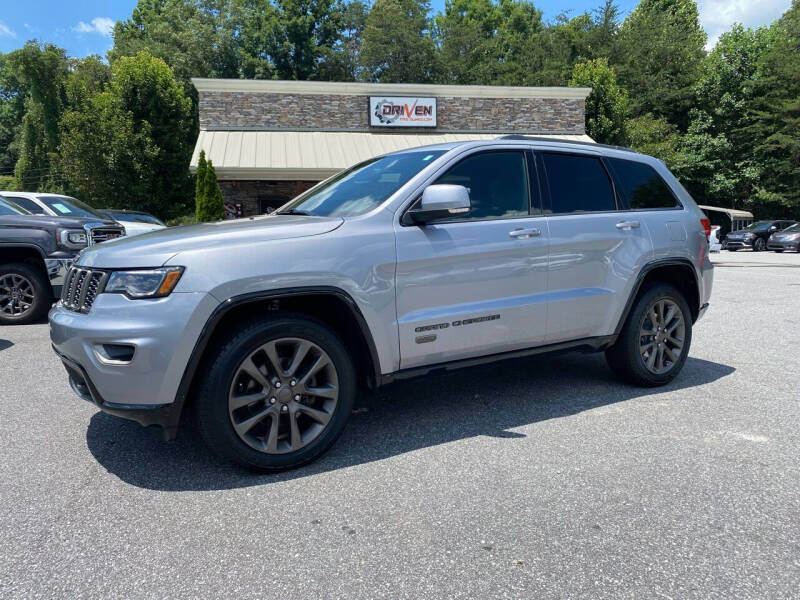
{"type": "Point", "coordinates": [792, 228]}
{"type": "Point", "coordinates": [7, 207]}
{"type": "Point", "coordinates": [758, 226]}
{"type": "Point", "coordinates": [70, 207]}
{"type": "Point", "coordinates": [133, 217]}
{"type": "Point", "coordinates": [361, 188]}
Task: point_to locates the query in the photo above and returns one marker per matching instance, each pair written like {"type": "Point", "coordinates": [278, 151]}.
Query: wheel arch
{"type": "Point", "coordinates": [22, 253]}
{"type": "Point", "coordinates": [332, 306]}
{"type": "Point", "coordinates": [679, 272]}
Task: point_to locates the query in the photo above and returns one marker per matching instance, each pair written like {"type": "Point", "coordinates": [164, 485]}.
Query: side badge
{"type": "Point", "coordinates": [424, 339]}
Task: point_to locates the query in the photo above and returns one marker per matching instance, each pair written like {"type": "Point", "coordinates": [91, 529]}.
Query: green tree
{"type": "Point", "coordinates": [305, 34]}
{"type": "Point", "coordinates": [341, 61]}
{"type": "Point", "coordinates": [466, 32]}
{"type": "Point", "coordinates": [200, 180]}
{"type": "Point", "coordinates": [129, 147]}
{"type": "Point", "coordinates": [210, 207]}
{"type": "Point", "coordinates": [397, 46]}
{"type": "Point", "coordinates": [606, 105]}
{"type": "Point", "coordinates": [655, 136]}
{"type": "Point", "coordinates": [775, 129]}
{"type": "Point", "coordinates": [196, 38]}
{"type": "Point", "coordinates": [717, 162]}
{"type": "Point", "coordinates": [12, 109]}
{"type": "Point", "coordinates": [42, 69]}
{"type": "Point", "coordinates": [659, 55]}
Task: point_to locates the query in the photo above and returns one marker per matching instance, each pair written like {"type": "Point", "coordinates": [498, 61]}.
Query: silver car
{"type": "Point", "coordinates": [432, 258]}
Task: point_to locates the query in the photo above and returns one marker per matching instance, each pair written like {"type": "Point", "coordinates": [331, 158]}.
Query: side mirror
{"type": "Point", "coordinates": [440, 202]}
{"type": "Point", "coordinates": [774, 228]}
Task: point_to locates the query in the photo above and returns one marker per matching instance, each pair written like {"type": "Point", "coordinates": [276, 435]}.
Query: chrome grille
{"type": "Point", "coordinates": [81, 288]}
{"type": "Point", "coordinates": [105, 233]}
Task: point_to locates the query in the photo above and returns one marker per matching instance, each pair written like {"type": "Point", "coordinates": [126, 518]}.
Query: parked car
{"type": "Point", "coordinates": [36, 252]}
{"type": "Point", "coordinates": [755, 235]}
{"type": "Point", "coordinates": [427, 259]}
{"type": "Point", "coordinates": [134, 221]}
{"type": "Point", "coordinates": [714, 245]}
{"type": "Point", "coordinates": [788, 239]}
{"type": "Point", "coordinates": [55, 205]}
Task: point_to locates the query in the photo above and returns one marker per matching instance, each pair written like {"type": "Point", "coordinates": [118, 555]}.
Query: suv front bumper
{"type": "Point", "coordinates": [161, 334]}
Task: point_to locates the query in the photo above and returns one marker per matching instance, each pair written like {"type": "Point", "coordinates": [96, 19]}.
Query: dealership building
{"type": "Point", "coordinates": [271, 140]}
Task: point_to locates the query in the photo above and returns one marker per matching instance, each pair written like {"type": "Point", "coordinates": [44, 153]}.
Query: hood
{"type": "Point", "coordinates": [155, 248]}
{"type": "Point", "coordinates": [786, 236]}
{"type": "Point", "coordinates": [49, 222]}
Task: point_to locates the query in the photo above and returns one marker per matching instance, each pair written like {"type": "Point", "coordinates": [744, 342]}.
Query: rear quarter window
{"type": "Point", "coordinates": [641, 186]}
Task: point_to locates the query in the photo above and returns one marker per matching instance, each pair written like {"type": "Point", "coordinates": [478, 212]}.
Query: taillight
{"type": "Point", "coordinates": [707, 226]}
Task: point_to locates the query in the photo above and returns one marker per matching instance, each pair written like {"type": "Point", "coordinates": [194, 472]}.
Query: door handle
{"type": "Point", "coordinates": [628, 225]}
{"type": "Point", "coordinates": [525, 233]}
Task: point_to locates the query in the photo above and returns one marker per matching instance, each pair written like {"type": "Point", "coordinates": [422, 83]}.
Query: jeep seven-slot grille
{"type": "Point", "coordinates": [81, 288]}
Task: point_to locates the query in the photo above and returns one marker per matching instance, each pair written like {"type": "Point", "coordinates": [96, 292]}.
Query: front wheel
{"type": "Point", "coordinates": [759, 245]}
{"type": "Point", "coordinates": [25, 294]}
{"type": "Point", "coordinates": [654, 342]}
{"type": "Point", "coordinates": [278, 394]}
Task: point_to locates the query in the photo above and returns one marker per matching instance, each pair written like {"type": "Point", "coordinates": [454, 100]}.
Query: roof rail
{"type": "Point", "coordinates": [531, 138]}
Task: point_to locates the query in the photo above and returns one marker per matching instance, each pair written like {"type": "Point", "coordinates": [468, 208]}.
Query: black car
{"type": "Point", "coordinates": [35, 254]}
{"type": "Point", "coordinates": [788, 239]}
{"type": "Point", "coordinates": [755, 235]}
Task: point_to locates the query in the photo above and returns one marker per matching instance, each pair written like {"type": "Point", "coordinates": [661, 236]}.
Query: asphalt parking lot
{"type": "Point", "coordinates": [530, 479]}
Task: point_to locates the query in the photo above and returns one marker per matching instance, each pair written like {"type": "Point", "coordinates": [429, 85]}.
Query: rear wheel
{"type": "Point", "coordinates": [759, 245]}
{"type": "Point", "coordinates": [278, 394]}
{"type": "Point", "coordinates": [25, 294]}
{"type": "Point", "coordinates": [654, 342]}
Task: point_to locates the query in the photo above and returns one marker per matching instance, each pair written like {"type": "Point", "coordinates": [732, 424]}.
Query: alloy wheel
{"type": "Point", "coordinates": [16, 294]}
{"type": "Point", "coordinates": [283, 395]}
{"type": "Point", "coordinates": [661, 336]}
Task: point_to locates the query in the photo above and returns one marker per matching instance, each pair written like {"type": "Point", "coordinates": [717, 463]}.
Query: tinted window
{"type": "Point", "coordinates": [8, 207]}
{"type": "Point", "coordinates": [70, 207]}
{"type": "Point", "coordinates": [27, 204]}
{"type": "Point", "coordinates": [363, 187]}
{"type": "Point", "coordinates": [641, 185]}
{"type": "Point", "coordinates": [577, 184]}
{"type": "Point", "coordinates": [497, 183]}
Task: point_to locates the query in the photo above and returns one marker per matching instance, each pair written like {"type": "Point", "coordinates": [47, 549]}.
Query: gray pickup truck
{"type": "Point", "coordinates": [35, 254]}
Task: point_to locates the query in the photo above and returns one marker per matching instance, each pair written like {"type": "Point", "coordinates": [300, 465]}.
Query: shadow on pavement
{"type": "Point", "coordinates": [403, 417]}
{"type": "Point", "coordinates": [4, 344]}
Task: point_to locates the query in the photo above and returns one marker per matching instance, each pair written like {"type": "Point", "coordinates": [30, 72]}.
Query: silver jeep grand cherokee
{"type": "Point", "coordinates": [431, 258]}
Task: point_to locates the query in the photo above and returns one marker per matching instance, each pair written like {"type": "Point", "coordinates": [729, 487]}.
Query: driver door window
{"type": "Point", "coordinates": [497, 183]}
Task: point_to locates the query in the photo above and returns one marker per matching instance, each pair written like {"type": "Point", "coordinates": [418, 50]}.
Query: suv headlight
{"type": "Point", "coordinates": [72, 238]}
{"type": "Point", "coordinates": [144, 283]}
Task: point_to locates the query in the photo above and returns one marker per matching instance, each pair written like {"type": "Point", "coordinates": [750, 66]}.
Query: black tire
{"type": "Point", "coordinates": [28, 278]}
{"type": "Point", "coordinates": [212, 401]}
{"type": "Point", "coordinates": [626, 358]}
{"type": "Point", "coordinates": [759, 245]}
{"type": "Point", "coordinates": [778, 251]}
{"type": "Point", "coordinates": [731, 249]}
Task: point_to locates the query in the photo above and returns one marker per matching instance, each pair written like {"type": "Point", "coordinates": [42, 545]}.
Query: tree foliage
{"type": "Point", "coordinates": [121, 133]}
{"type": "Point", "coordinates": [208, 201]}
{"type": "Point", "coordinates": [606, 105]}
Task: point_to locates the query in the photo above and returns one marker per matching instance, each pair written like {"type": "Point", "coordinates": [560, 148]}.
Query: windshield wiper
{"type": "Point", "coordinates": [295, 211]}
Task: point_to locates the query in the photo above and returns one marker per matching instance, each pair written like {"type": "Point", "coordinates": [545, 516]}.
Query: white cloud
{"type": "Point", "coordinates": [102, 25]}
{"type": "Point", "coordinates": [717, 16]}
{"type": "Point", "coordinates": [6, 31]}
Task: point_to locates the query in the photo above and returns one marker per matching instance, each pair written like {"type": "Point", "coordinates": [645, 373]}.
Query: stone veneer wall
{"type": "Point", "coordinates": [264, 111]}
{"type": "Point", "coordinates": [254, 195]}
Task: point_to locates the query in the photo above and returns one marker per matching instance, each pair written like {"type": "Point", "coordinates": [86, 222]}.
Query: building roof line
{"type": "Point", "coordinates": [271, 86]}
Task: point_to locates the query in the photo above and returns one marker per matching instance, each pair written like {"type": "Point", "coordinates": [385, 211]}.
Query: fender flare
{"type": "Point", "coordinates": [643, 273]}
{"type": "Point", "coordinates": [237, 301]}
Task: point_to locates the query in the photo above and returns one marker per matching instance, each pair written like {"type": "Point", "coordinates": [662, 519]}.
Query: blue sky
{"type": "Point", "coordinates": [84, 26]}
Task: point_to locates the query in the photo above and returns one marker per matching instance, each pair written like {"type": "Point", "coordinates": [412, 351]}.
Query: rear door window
{"type": "Point", "coordinates": [577, 183]}
{"type": "Point", "coordinates": [27, 204]}
{"type": "Point", "coordinates": [641, 186]}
